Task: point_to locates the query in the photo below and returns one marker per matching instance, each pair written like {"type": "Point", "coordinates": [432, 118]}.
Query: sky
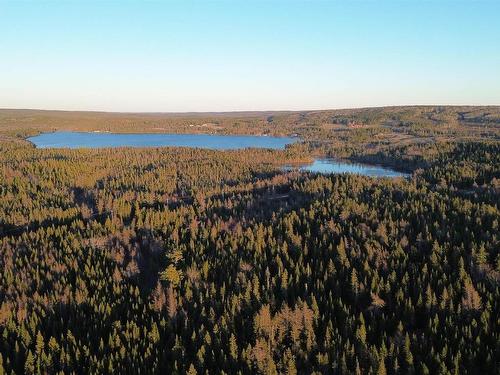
{"type": "Point", "coordinates": [181, 56]}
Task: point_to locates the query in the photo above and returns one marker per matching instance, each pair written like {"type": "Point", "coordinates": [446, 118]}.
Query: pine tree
{"type": "Point", "coordinates": [29, 364]}
{"type": "Point", "coordinates": [192, 370]}
{"type": "Point", "coordinates": [381, 367]}
{"type": "Point", "coordinates": [40, 344]}
{"type": "Point", "coordinates": [408, 356]}
{"type": "Point", "coordinates": [233, 347]}
{"type": "Point", "coordinates": [361, 330]}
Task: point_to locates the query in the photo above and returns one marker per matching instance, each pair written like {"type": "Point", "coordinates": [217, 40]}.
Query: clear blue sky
{"type": "Point", "coordinates": [247, 55]}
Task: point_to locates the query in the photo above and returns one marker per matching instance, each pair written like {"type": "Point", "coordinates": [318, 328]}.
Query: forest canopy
{"type": "Point", "coordinates": [177, 260]}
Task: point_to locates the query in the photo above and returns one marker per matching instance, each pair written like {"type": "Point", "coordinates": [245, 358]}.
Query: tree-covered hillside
{"type": "Point", "coordinates": [145, 261]}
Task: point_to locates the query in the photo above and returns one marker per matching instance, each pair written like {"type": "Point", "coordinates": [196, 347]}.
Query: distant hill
{"type": "Point", "coordinates": [417, 121]}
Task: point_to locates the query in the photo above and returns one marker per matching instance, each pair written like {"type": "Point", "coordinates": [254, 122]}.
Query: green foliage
{"type": "Point", "coordinates": [194, 261]}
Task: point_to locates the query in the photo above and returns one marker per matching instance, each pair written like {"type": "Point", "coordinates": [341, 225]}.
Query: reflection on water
{"type": "Point", "coordinates": [334, 166]}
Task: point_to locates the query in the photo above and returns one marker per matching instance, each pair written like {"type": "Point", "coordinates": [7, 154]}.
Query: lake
{"type": "Point", "coordinates": [327, 166]}
{"type": "Point", "coordinates": [207, 141]}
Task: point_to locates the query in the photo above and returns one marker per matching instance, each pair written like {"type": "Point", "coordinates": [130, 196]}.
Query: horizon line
{"type": "Point", "coordinates": [247, 111]}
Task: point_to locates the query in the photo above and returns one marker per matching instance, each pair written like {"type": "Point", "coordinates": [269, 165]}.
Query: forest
{"type": "Point", "coordinates": [190, 261]}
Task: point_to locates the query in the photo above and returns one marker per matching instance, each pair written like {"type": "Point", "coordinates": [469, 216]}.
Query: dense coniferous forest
{"type": "Point", "coordinates": [189, 261]}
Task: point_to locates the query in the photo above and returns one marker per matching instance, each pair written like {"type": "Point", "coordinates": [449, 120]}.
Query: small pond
{"type": "Point", "coordinates": [327, 166]}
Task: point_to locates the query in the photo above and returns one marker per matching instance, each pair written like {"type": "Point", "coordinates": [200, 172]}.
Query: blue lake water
{"type": "Point", "coordinates": [327, 166]}
{"type": "Point", "coordinates": [207, 141]}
